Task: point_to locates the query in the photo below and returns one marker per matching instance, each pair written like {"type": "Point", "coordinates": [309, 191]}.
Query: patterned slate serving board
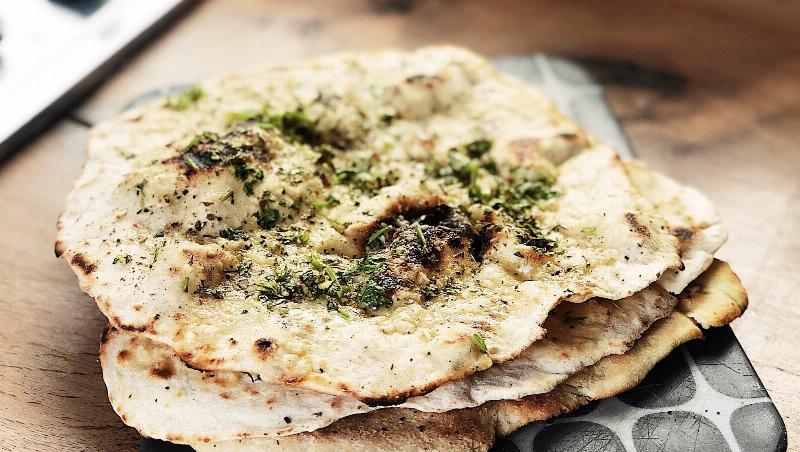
{"type": "Point", "coordinates": [705, 396]}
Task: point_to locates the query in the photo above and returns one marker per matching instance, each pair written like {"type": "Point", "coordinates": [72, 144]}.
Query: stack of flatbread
{"type": "Point", "coordinates": [397, 250]}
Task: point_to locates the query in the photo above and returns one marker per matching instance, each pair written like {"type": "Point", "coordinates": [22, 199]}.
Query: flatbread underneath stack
{"type": "Point", "coordinates": [154, 391]}
{"type": "Point", "coordinates": [476, 429]}
{"type": "Point", "coordinates": [718, 295]}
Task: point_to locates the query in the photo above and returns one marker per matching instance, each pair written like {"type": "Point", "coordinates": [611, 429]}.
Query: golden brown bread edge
{"type": "Point", "coordinates": [714, 299]}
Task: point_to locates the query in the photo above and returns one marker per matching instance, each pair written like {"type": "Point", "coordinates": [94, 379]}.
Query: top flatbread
{"type": "Point", "coordinates": [372, 225]}
{"type": "Point", "coordinates": [189, 402]}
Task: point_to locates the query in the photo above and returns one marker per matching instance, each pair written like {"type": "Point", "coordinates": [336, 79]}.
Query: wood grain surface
{"type": "Point", "coordinates": [708, 92]}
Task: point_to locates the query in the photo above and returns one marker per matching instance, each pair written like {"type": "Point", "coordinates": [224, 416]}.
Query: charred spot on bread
{"type": "Point", "coordinates": [636, 226]}
{"type": "Point", "coordinates": [163, 369]}
{"type": "Point", "coordinates": [265, 348]}
{"type": "Point", "coordinates": [83, 264]}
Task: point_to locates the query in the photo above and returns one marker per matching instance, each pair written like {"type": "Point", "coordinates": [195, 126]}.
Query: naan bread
{"type": "Point", "coordinates": [478, 428]}
{"type": "Point", "coordinates": [691, 216]}
{"type": "Point", "coordinates": [719, 306]}
{"type": "Point", "coordinates": [578, 336]}
{"type": "Point", "coordinates": [421, 208]}
{"type": "Point", "coordinates": [153, 391]}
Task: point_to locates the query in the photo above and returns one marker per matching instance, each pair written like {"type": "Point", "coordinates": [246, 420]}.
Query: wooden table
{"type": "Point", "coordinates": [708, 92]}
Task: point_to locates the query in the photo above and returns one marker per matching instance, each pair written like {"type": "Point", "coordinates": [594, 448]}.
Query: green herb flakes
{"type": "Point", "coordinates": [372, 297]}
{"type": "Point", "coordinates": [244, 267]}
{"type": "Point", "coordinates": [226, 196]}
{"type": "Point", "coordinates": [191, 163]}
{"type": "Point", "coordinates": [213, 292]}
{"type": "Point", "coordinates": [421, 237]}
{"type": "Point", "coordinates": [479, 343]}
{"type": "Point", "coordinates": [301, 237]}
{"type": "Point", "coordinates": [478, 147]}
{"type": "Point", "coordinates": [235, 234]}
{"type": "Point", "coordinates": [186, 99]}
{"type": "Point", "coordinates": [315, 261]}
{"type": "Point", "coordinates": [122, 260]}
{"type": "Point", "coordinates": [267, 216]}
{"type": "Point", "coordinates": [326, 203]}
{"type": "Point", "coordinates": [279, 285]}
{"type": "Point", "coordinates": [378, 234]}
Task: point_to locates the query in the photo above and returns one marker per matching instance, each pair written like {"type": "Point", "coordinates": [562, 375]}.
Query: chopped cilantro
{"type": "Point", "coordinates": [421, 237]}
{"type": "Point", "coordinates": [479, 343]}
{"type": "Point", "coordinates": [361, 178]}
{"type": "Point", "coordinates": [516, 203]}
{"type": "Point", "coordinates": [378, 234]}
{"type": "Point", "coordinates": [294, 125]}
{"type": "Point", "coordinates": [236, 150]}
{"type": "Point", "coordinates": [247, 174]}
{"type": "Point", "coordinates": [267, 216]}
{"type": "Point", "coordinates": [301, 237]}
{"type": "Point", "coordinates": [591, 230]}
{"type": "Point", "coordinates": [529, 233]}
{"type": "Point", "coordinates": [369, 264]}
{"type": "Point", "coordinates": [185, 284]}
{"type": "Point", "coordinates": [185, 99]}
{"type": "Point", "coordinates": [468, 174]}
{"type": "Point", "coordinates": [332, 286]}
{"type": "Point", "coordinates": [478, 147]}
{"type": "Point", "coordinates": [213, 292]}
{"type": "Point", "coordinates": [372, 296]}
{"type": "Point", "coordinates": [122, 260]}
{"type": "Point", "coordinates": [326, 203]}
{"type": "Point", "coordinates": [525, 195]}
{"type": "Point", "coordinates": [243, 269]}
{"type": "Point", "coordinates": [226, 196]}
{"type": "Point", "coordinates": [332, 305]}
{"type": "Point", "coordinates": [190, 162]}
{"type": "Point", "coordinates": [242, 116]}
{"type": "Point", "coordinates": [233, 234]}
{"type": "Point", "coordinates": [280, 285]}
{"type": "Point", "coordinates": [315, 261]}
{"type": "Point", "coordinates": [332, 275]}
{"type": "Point", "coordinates": [343, 314]}
{"type": "Point", "coordinates": [197, 139]}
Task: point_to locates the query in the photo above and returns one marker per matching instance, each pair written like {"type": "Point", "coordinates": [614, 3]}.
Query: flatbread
{"type": "Point", "coordinates": [478, 428]}
{"type": "Point", "coordinates": [153, 391]}
{"type": "Point", "coordinates": [716, 299]}
{"type": "Point", "coordinates": [578, 336]}
{"type": "Point", "coordinates": [692, 219]}
{"type": "Point", "coordinates": [247, 247]}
